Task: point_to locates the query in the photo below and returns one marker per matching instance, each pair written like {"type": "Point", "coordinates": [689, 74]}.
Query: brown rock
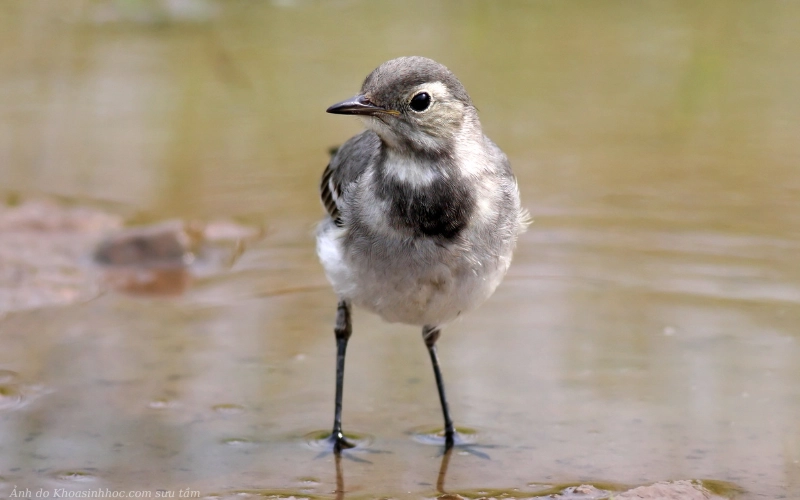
{"type": "Point", "coordinates": [162, 245]}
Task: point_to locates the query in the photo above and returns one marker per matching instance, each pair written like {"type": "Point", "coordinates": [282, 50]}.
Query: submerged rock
{"type": "Point", "coordinates": [156, 259]}
{"type": "Point", "coordinates": [167, 244]}
{"type": "Point", "coordinates": [47, 252]}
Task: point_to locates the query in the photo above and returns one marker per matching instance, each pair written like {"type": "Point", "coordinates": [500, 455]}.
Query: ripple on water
{"type": "Point", "coordinates": [75, 476]}
{"type": "Point", "coordinates": [11, 393]}
{"type": "Point", "coordinates": [163, 404]}
{"type": "Point", "coordinates": [320, 440]}
{"type": "Point", "coordinates": [435, 436]}
{"type": "Point", "coordinates": [11, 397]}
{"type": "Point", "coordinates": [229, 409]}
{"type": "Point", "coordinates": [238, 441]}
{"type": "Point", "coordinates": [9, 377]}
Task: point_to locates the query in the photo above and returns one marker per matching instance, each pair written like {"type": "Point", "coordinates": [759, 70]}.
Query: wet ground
{"type": "Point", "coordinates": [647, 330]}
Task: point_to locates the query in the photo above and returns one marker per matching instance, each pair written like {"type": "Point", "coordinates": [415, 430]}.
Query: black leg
{"type": "Point", "coordinates": [431, 334]}
{"type": "Point", "coordinates": [343, 329]}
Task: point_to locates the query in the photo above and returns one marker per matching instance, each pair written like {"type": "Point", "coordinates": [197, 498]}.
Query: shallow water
{"type": "Point", "coordinates": [647, 329]}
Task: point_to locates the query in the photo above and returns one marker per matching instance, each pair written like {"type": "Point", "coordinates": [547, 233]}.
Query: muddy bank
{"type": "Point", "coordinates": [45, 254]}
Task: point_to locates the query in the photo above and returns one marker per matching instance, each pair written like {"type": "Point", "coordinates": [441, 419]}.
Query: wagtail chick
{"type": "Point", "coordinates": [423, 210]}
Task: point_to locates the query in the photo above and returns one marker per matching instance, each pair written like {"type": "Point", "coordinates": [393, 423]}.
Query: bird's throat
{"type": "Point", "coordinates": [425, 199]}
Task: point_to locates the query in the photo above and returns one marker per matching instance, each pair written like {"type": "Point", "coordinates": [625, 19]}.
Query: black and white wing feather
{"type": "Point", "coordinates": [329, 193]}
{"type": "Point", "coordinates": [346, 166]}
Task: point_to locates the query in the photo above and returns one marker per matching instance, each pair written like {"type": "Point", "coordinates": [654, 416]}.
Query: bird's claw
{"type": "Point", "coordinates": [339, 442]}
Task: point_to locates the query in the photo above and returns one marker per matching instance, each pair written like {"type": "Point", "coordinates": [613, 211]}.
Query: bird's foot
{"type": "Point", "coordinates": [449, 440]}
{"type": "Point", "coordinates": [460, 439]}
{"type": "Point", "coordinates": [338, 442]}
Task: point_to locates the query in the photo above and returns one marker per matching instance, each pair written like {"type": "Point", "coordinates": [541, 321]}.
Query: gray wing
{"type": "Point", "coordinates": [345, 167]}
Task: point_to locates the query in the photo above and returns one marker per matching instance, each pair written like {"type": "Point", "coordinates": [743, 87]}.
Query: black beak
{"type": "Point", "coordinates": [358, 105]}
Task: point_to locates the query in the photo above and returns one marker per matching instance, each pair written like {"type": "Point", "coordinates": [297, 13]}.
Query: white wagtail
{"type": "Point", "coordinates": [423, 210]}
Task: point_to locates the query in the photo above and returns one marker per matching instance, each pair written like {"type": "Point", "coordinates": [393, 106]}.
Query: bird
{"type": "Point", "coordinates": [423, 211]}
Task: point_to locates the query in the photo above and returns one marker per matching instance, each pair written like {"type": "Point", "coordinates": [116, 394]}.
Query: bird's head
{"type": "Point", "coordinates": [413, 104]}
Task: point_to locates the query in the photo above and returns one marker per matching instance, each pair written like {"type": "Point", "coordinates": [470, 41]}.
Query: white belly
{"type": "Point", "coordinates": [423, 284]}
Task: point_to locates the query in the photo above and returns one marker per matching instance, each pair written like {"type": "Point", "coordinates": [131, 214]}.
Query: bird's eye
{"type": "Point", "coordinates": [420, 102]}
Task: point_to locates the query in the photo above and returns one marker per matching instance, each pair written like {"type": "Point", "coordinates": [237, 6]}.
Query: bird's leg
{"type": "Point", "coordinates": [343, 329]}
{"type": "Point", "coordinates": [431, 334]}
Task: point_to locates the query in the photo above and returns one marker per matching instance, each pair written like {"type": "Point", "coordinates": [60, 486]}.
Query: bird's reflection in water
{"type": "Point", "coordinates": [439, 479]}
{"type": "Point", "coordinates": [443, 470]}
{"type": "Point", "coordinates": [337, 457]}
